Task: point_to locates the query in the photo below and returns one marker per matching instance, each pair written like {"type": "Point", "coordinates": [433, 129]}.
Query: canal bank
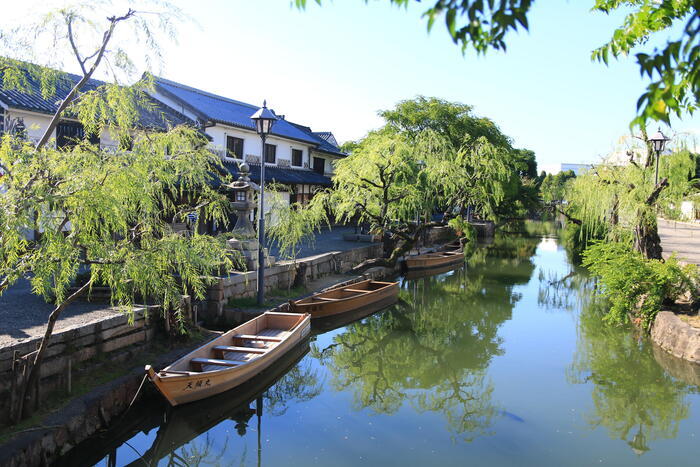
{"type": "Point", "coordinates": [113, 339]}
{"type": "Point", "coordinates": [506, 362]}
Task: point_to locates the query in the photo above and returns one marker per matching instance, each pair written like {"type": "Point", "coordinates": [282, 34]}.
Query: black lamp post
{"type": "Point", "coordinates": [264, 119]}
{"type": "Point", "coordinates": [659, 141]}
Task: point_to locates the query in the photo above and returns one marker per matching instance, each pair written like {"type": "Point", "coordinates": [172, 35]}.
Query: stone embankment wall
{"type": "Point", "coordinates": [68, 348]}
{"type": "Point", "coordinates": [676, 336]}
{"type": "Point", "coordinates": [282, 275]}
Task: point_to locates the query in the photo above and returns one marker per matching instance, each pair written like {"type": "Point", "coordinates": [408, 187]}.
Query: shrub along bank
{"type": "Point", "coordinates": [635, 286]}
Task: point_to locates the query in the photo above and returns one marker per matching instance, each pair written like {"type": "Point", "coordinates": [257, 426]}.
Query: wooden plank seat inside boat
{"type": "Point", "coordinates": [229, 348]}
{"type": "Point", "coordinates": [252, 337]}
{"type": "Point", "coordinates": [212, 364]}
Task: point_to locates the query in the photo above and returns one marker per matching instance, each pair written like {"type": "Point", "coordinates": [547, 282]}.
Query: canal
{"type": "Point", "coordinates": [504, 362]}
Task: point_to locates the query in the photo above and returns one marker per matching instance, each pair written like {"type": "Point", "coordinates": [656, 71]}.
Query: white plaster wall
{"type": "Point", "coordinates": [328, 166]}
{"type": "Point", "coordinates": [36, 123]}
{"type": "Point", "coordinates": [252, 145]}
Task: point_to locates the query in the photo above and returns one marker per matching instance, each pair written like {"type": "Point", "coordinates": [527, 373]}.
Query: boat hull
{"type": "Point", "coordinates": [433, 260]}
{"type": "Point", "coordinates": [182, 389]}
{"type": "Point", "coordinates": [320, 310]}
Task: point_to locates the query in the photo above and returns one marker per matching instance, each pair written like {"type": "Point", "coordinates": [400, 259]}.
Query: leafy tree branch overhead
{"type": "Point", "coordinates": [673, 69]}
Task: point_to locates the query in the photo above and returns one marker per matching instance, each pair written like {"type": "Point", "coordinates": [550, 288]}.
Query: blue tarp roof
{"type": "Point", "coordinates": [284, 175]}
{"type": "Point", "coordinates": [227, 111]}
{"type": "Point", "coordinates": [156, 115]}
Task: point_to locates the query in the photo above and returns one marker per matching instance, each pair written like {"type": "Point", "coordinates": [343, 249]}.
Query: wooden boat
{"type": "Point", "coordinates": [420, 273]}
{"type": "Point", "coordinates": [347, 298]}
{"type": "Point", "coordinates": [434, 260]}
{"type": "Point", "coordinates": [232, 358]}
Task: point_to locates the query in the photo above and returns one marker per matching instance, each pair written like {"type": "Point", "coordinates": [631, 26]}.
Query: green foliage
{"type": "Point", "coordinates": [296, 223]}
{"type": "Point", "coordinates": [88, 34]}
{"type": "Point", "coordinates": [431, 155]}
{"type": "Point", "coordinates": [608, 199]}
{"type": "Point", "coordinates": [633, 397]}
{"type": "Point", "coordinates": [636, 285]}
{"type": "Point", "coordinates": [553, 187]}
{"type": "Point", "coordinates": [674, 69]}
{"type": "Point", "coordinates": [109, 211]}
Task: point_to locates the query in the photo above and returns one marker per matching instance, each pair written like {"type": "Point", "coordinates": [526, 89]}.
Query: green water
{"type": "Point", "coordinates": [505, 362]}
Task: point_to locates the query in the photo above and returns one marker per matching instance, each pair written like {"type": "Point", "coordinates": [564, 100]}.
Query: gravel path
{"type": "Point", "coordinates": [681, 238]}
{"type": "Point", "coordinates": [23, 315]}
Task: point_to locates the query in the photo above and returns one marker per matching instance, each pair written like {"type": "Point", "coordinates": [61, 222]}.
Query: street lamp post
{"type": "Point", "coordinates": [264, 118]}
{"type": "Point", "coordinates": [659, 140]}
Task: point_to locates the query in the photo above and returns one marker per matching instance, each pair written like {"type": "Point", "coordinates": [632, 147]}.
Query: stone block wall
{"type": "Point", "coordinates": [282, 275]}
{"type": "Point", "coordinates": [68, 348]}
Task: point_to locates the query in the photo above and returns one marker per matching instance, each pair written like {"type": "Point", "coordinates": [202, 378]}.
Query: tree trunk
{"type": "Point", "coordinates": [32, 379]}
{"type": "Point", "coordinates": [646, 239]}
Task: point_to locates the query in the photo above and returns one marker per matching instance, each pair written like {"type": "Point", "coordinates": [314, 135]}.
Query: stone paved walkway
{"type": "Point", "coordinates": [325, 241]}
{"type": "Point", "coordinates": [682, 238]}
{"type": "Point", "coordinates": [23, 315]}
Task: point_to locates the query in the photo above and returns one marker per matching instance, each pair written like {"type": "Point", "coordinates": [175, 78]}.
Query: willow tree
{"type": "Point", "coordinates": [104, 212]}
{"type": "Point", "coordinates": [621, 202]}
{"type": "Point", "coordinates": [494, 177]}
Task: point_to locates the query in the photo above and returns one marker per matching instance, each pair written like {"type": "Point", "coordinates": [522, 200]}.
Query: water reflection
{"type": "Point", "coordinates": [432, 350]}
{"type": "Point", "coordinates": [635, 399]}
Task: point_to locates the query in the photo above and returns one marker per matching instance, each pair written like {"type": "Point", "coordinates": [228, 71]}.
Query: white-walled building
{"type": "Point", "coordinates": [35, 112]}
{"type": "Point", "coordinates": [554, 169]}
{"type": "Point", "coordinates": [295, 156]}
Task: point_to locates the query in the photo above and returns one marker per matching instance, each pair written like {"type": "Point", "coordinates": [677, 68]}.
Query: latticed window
{"type": "Point", "coordinates": [234, 147]}
{"type": "Point", "coordinates": [297, 155]}
{"type": "Point", "coordinates": [2, 121]}
{"type": "Point", "coordinates": [270, 153]}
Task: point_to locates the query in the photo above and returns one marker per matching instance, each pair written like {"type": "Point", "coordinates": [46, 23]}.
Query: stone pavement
{"type": "Point", "coordinates": [326, 240]}
{"type": "Point", "coordinates": [23, 315]}
{"type": "Point", "coordinates": [682, 238]}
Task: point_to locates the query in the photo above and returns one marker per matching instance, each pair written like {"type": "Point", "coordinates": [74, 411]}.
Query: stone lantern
{"type": "Point", "coordinates": [244, 234]}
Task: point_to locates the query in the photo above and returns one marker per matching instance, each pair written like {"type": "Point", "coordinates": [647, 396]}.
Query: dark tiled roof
{"type": "Point", "coordinates": [226, 111]}
{"type": "Point", "coordinates": [281, 175]}
{"type": "Point", "coordinates": [154, 115]}
{"type": "Point", "coordinates": [324, 144]}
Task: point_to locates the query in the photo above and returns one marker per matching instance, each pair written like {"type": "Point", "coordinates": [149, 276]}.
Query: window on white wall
{"type": "Point", "coordinates": [234, 147]}
{"type": "Point", "coordinates": [270, 153]}
{"type": "Point", "coordinates": [297, 155]}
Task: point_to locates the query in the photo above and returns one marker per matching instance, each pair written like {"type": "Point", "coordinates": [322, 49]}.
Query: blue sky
{"type": "Point", "coordinates": [333, 67]}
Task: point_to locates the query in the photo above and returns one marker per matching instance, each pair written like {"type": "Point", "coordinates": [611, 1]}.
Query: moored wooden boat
{"type": "Point", "coordinates": [232, 358]}
{"type": "Point", "coordinates": [433, 260]}
{"type": "Point", "coordinates": [420, 273]}
{"type": "Point", "coordinates": [347, 298]}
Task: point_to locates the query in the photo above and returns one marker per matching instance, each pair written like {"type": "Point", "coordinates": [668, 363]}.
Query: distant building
{"type": "Point", "coordinates": [554, 169]}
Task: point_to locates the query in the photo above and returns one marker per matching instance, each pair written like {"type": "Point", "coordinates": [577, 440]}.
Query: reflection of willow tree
{"type": "Point", "coordinates": [432, 350]}
{"type": "Point", "coordinates": [300, 384]}
{"type": "Point", "coordinates": [634, 398]}
{"type": "Point", "coordinates": [199, 452]}
{"type": "Point", "coordinates": [569, 292]}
